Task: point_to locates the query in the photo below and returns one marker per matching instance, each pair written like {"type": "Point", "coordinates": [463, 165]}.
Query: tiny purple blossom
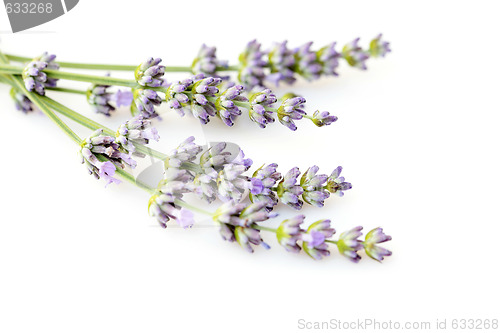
{"type": "Point", "coordinates": [258, 103]}
{"type": "Point", "coordinates": [252, 65]}
{"type": "Point", "coordinates": [372, 238]}
{"type": "Point", "coordinates": [323, 118]}
{"type": "Point", "coordinates": [34, 77]}
{"type": "Point", "coordinates": [313, 186]}
{"type": "Point", "coordinates": [289, 232]}
{"type": "Point", "coordinates": [206, 62]}
{"type": "Point", "coordinates": [378, 47]}
{"type": "Point", "coordinates": [150, 73]}
{"type": "Point", "coordinates": [314, 239]}
{"type": "Point", "coordinates": [99, 99]}
{"type": "Point", "coordinates": [227, 110]}
{"type": "Point", "coordinates": [291, 109]}
{"type": "Point", "coordinates": [307, 64]}
{"type": "Point", "coordinates": [288, 191]}
{"type": "Point", "coordinates": [337, 184]}
{"type": "Point", "coordinates": [328, 57]}
{"type": "Point", "coordinates": [349, 244]}
{"type": "Point", "coordinates": [355, 55]}
{"type": "Point", "coordinates": [22, 102]}
{"type": "Point", "coordinates": [184, 218]}
{"type": "Point", "coordinates": [268, 176]}
{"type": "Point", "coordinates": [123, 98]}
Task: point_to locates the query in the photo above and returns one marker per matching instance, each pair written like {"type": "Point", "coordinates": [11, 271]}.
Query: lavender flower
{"type": "Point", "coordinates": [306, 62]}
{"type": "Point", "coordinates": [162, 204]}
{"type": "Point", "coordinates": [225, 104]}
{"type": "Point", "coordinates": [312, 184]}
{"type": "Point", "coordinates": [289, 232]}
{"type": "Point", "coordinates": [145, 102]}
{"type": "Point", "coordinates": [215, 157]}
{"type": "Point", "coordinates": [378, 47]}
{"type": "Point", "coordinates": [372, 238]}
{"type": "Point", "coordinates": [336, 184]}
{"type": "Point", "coordinates": [238, 221]}
{"type": "Point", "coordinates": [252, 65]}
{"type": "Point", "coordinates": [34, 77]}
{"type": "Point", "coordinates": [206, 62]}
{"type": "Point", "coordinates": [195, 93]}
{"type": "Point", "coordinates": [150, 73]}
{"type": "Point", "coordinates": [123, 98]}
{"type": "Point", "coordinates": [323, 118]}
{"type": "Point", "coordinates": [185, 152]}
{"type": "Point", "coordinates": [99, 99]}
{"type": "Point", "coordinates": [354, 54]}
{"type": "Point", "coordinates": [100, 145]}
{"type": "Point", "coordinates": [348, 243]}
{"type": "Point", "coordinates": [281, 61]}
{"type": "Point", "coordinates": [288, 191]}
{"type": "Point", "coordinates": [290, 110]}
{"type": "Point", "coordinates": [314, 239]}
{"type": "Point", "coordinates": [136, 131]}
{"type": "Point", "coordinates": [22, 102]}
{"type": "Point", "coordinates": [328, 57]}
{"type": "Point", "coordinates": [268, 177]}
{"type": "Point", "coordinates": [258, 103]}
{"type": "Point", "coordinates": [241, 214]}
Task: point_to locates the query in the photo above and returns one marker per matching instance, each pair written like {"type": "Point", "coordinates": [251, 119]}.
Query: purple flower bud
{"type": "Point", "coordinates": [99, 99]}
{"type": "Point", "coordinates": [226, 108]}
{"type": "Point", "coordinates": [328, 57]}
{"type": "Point", "coordinates": [136, 131]}
{"type": "Point", "coordinates": [258, 103]}
{"type": "Point", "coordinates": [314, 239]}
{"type": "Point", "coordinates": [336, 184]}
{"type": "Point", "coordinates": [252, 65]}
{"type": "Point", "coordinates": [150, 73]}
{"type": "Point", "coordinates": [34, 77]}
{"type": "Point", "coordinates": [105, 146]}
{"type": "Point", "coordinates": [374, 237]}
{"type": "Point", "coordinates": [288, 191]}
{"type": "Point", "coordinates": [307, 64]}
{"type": "Point", "coordinates": [185, 152]}
{"type": "Point", "coordinates": [238, 222]}
{"type": "Point", "coordinates": [22, 102]}
{"type": "Point", "coordinates": [193, 94]}
{"type": "Point", "coordinates": [378, 47]}
{"type": "Point", "coordinates": [206, 62]}
{"type": "Point", "coordinates": [268, 177]}
{"type": "Point", "coordinates": [291, 109]}
{"type": "Point", "coordinates": [289, 232]}
{"type": "Point", "coordinates": [281, 62]}
{"type": "Point", "coordinates": [123, 98]}
{"type": "Point", "coordinates": [162, 204]}
{"type": "Point", "coordinates": [349, 244]}
{"type": "Point", "coordinates": [323, 118]}
{"type": "Point", "coordinates": [145, 102]}
{"type": "Point", "coordinates": [354, 54]}
{"type": "Point", "coordinates": [312, 184]}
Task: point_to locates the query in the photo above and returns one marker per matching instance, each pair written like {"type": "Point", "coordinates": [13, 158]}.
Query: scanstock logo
{"type": "Point", "coordinates": [25, 14]}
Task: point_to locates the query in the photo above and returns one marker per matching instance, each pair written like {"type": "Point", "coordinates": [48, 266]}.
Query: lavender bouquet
{"type": "Point", "coordinates": [214, 174]}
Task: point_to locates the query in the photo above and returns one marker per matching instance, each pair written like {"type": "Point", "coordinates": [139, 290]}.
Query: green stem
{"type": "Point", "coordinates": [104, 80]}
{"type": "Point", "coordinates": [191, 207]}
{"type": "Point", "coordinates": [111, 67]}
{"type": "Point", "coordinates": [35, 98]}
{"type": "Point", "coordinates": [130, 178]}
{"type": "Point", "coordinates": [331, 241]}
{"type": "Point", "coordinates": [89, 123]}
{"type": "Point", "coordinates": [259, 227]}
{"type": "Point", "coordinates": [56, 74]}
{"type": "Point", "coordinates": [67, 90]}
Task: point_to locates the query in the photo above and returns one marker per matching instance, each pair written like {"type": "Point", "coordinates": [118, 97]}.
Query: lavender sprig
{"type": "Point", "coordinates": [97, 145]}
{"type": "Point", "coordinates": [206, 62]}
{"type": "Point", "coordinates": [34, 77]}
{"type": "Point", "coordinates": [22, 102]}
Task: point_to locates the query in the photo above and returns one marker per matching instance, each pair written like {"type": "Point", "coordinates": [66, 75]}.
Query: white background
{"type": "Point", "coordinates": [417, 136]}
